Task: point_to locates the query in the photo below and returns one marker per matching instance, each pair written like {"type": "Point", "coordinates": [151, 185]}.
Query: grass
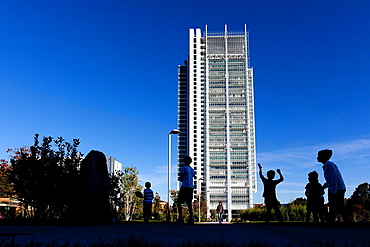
{"type": "Point", "coordinates": [8, 240]}
{"type": "Point", "coordinates": [143, 242]}
{"type": "Point", "coordinates": [135, 242]}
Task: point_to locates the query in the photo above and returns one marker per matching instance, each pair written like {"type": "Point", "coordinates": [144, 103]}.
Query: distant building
{"type": "Point", "coordinates": [113, 165]}
{"type": "Point", "coordinates": [216, 118]}
{"type": "Point", "coordinates": [9, 207]}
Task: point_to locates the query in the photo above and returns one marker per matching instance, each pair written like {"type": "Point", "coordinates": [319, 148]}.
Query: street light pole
{"type": "Point", "coordinates": [175, 132]}
{"type": "Point", "coordinates": [199, 207]}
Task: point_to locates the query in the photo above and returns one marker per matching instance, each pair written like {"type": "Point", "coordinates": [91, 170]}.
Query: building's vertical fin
{"type": "Point", "coordinates": [206, 130]}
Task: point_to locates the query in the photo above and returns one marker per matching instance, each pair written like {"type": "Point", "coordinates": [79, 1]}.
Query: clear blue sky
{"type": "Point", "coordinates": [106, 72]}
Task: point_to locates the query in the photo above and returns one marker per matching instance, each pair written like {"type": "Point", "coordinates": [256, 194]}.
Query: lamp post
{"type": "Point", "coordinates": [174, 132]}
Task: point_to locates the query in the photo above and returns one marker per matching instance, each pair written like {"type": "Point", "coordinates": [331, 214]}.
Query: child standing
{"type": "Point", "coordinates": [147, 203]}
{"type": "Point", "coordinates": [315, 198]}
{"type": "Point", "coordinates": [269, 193]}
{"type": "Point", "coordinates": [186, 190]}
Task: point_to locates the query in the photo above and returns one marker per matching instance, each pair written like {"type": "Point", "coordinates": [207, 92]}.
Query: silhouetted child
{"type": "Point", "coordinates": [315, 198]}
{"type": "Point", "coordinates": [269, 193]}
{"type": "Point", "coordinates": [147, 203]}
{"type": "Point", "coordinates": [186, 190]}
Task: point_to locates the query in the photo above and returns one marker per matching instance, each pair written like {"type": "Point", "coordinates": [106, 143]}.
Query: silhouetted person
{"type": "Point", "coordinates": [148, 201]}
{"type": "Point", "coordinates": [315, 198]}
{"type": "Point", "coordinates": [334, 183]}
{"type": "Point", "coordinates": [269, 193]}
{"type": "Point", "coordinates": [186, 190]}
{"type": "Point", "coordinates": [220, 212]}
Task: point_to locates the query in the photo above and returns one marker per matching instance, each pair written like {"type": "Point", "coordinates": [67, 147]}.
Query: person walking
{"type": "Point", "coordinates": [220, 212]}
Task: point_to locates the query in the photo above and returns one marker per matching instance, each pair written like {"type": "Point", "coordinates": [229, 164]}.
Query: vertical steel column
{"type": "Point", "coordinates": [228, 160]}
{"type": "Point", "coordinates": [206, 144]}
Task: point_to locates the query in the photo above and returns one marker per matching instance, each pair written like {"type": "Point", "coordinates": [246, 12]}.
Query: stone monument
{"type": "Point", "coordinates": [95, 184]}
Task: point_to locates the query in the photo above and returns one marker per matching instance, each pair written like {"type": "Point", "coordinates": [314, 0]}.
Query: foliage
{"type": "Point", "coordinates": [358, 205]}
{"type": "Point", "coordinates": [129, 182]}
{"type": "Point", "coordinates": [253, 214]}
{"type": "Point", "coordinates": [292, 212]}
{"type": "Point", "coordinates": [157, 207]}
{"type": "Point", "coordinates": [6, 187]}
{"type": "Point", "coordinates": [299, 201]}
{"type": "Point", "coordinates": [203, 208]}
{"type": "Point", "coordinates": [174, 195]}
{"type": "Point", "coordinates": [115, 195]}
{"type": "Point", "coordinates": [44, 179]}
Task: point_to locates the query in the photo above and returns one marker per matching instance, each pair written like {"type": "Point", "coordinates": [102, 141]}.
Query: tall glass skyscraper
{"type": "Point", "coordinates": [216, 118]}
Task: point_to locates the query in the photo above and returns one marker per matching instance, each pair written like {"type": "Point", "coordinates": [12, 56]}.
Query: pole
{"type": "Point", "coordinates": [176, 132]}
{"type": "Point", "coordinates": [169, 178]}
{"type": "Point", "coordinates": [199, 207]}
{"type": "Point", "coordinates": [199, 186]}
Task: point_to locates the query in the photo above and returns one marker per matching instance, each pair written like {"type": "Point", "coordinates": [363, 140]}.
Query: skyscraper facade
{"type": "Point", "coordinates": [216, 118]}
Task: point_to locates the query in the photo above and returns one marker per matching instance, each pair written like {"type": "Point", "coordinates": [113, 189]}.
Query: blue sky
{"type": "Point", "coordinates": [106, 72]}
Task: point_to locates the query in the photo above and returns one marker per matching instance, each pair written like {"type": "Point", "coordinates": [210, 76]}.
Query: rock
{"type": "Point", "coordinates": [95, 183]}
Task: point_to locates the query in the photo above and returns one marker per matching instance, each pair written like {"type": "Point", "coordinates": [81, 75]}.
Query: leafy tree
{"type": "Point", "coordinates": [358, 205]}
{"type": "Point", "coordinates": [157, 206]}
{"type": "Point", "coordinates": [203, 208]}
{"type": "Point", "coordinates": [129, 182]}
{"type": "Point", "coordinates": [174, 195]}
{"type": "Point", "coordinates": [253, 214]}
{"type": "Point", "coordinates": [299, 201]}
{"type": "Point", "coordinates": [6, 187]}
{"type": "Point", "coordinates": [45, 179]}
{"type": "Point", "coordinates": [294, 212]}
{"type": "Point", "coordinates": [361, 196]}
{"type": "Point", "coordinates": [115, 195]}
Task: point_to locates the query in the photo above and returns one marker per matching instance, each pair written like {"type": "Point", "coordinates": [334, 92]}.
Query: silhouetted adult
{"type": "Point", "coordinates": [334, 183]}
{"type": "Point", "coordinates": [269, 193]}
{"type": "Point", "coordinates": [186, 190]}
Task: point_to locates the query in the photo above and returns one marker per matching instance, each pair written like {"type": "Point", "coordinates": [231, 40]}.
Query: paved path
{"type": "Point", "coordinates": [277, 235]}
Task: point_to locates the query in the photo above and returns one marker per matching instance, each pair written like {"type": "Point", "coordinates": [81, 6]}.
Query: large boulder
{"type": "Point", "coordinates": [95, 185]}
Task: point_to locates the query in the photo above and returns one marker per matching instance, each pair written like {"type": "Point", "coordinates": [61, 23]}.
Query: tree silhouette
{"type": "Point", "coordinates": [358, 205]}
{"type": "Point", "coordinates": [45, 179]}
{"type": "Point", "coordinates": [6, 187]}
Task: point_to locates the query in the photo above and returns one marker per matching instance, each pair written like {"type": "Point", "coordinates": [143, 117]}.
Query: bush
{"type": "Point", "coordinates": [45, 179]}
{"type": "Point", "coordinates": [291, 212]}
